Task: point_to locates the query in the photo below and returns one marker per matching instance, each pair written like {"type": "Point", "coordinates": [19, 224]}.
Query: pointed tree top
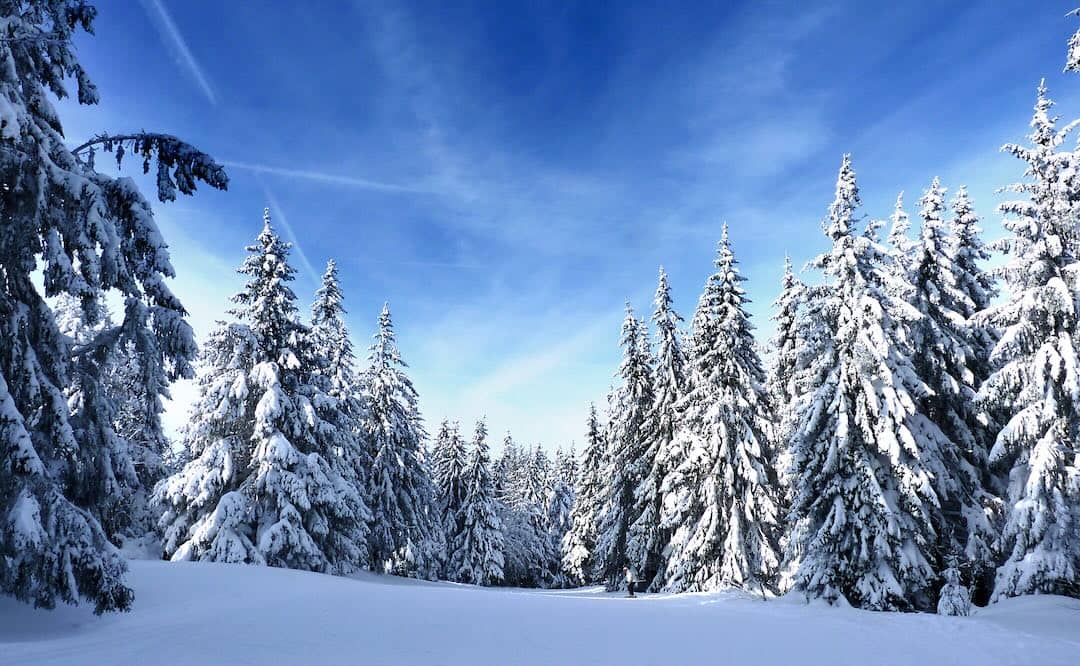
{"type": "Point", "coordinates": [842, 209]}
{"type": "Point", "coordinates": [266, 218]}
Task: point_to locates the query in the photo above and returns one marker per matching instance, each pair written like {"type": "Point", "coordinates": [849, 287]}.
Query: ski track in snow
{"type": "Point", "coordinates": [232, 614]}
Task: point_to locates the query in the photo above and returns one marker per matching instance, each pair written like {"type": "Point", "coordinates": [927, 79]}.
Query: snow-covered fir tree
{"type": "Point", "coordinates": [978, 288]}
{"type": "Point", "coordinates": [447, 465]}
{"type": "Point", "coordinates": [530, 554]}
{"type": "Point", "coordinates": [559, 509]}
{"type": "Point", "coordinates": [900, 244]}
{"type": "Point", "coordinates": [1036, 379]}
{"type": "Point", "coordinates": [647, 538]}
{"type": "Point", "coordinates": [476, 549]}
{"type": "Point", "coordinates": [721, 501]}
{"type": "Point", "coordinates": [947, 362]}
{"type": "Point", "coordinates": [864, 459]}
{"type": "Point", "coordinates": [68, 229]}
{"type": "Point", "coordinates": [627, 459]}
{"type": "Point", "coordinates": [134, 400]}
{"type": "Point", "coordinates": [579, 544]}
{"type": "Point", "coordinates": [955, 598]}
{"type": "Point", "coordinates": [263, 485]}
{"type": "Point", "coordinates": [335, 374]}
{"type": "Point", "coordinates": [405, 535]}
{"type": "Point", "coordinates": [783, 387]}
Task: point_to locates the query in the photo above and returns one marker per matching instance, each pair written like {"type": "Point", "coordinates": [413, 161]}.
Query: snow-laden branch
{"type": "Point", "coordinates": [179, 164]}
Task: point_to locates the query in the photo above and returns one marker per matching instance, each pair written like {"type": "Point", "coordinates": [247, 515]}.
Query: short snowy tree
{"type": "Point", "coordinates": [863, 457]}
{"type": "Point", "coordinates": [69, 229]}
{"type": "Point", "coordinates": [405, 536]}
{"type": "Point", "coordinates": [1036, 378]}
{"type": "Point", "coordinates": [627, 459]}
{"type": "Point", "coordinates": [262, 486]}
{"type": "Point", "coordinates": [955, 599]}
{"type": "Point", "coordinates": [476, 549]}
{"type": "Point", "coordinates": [579, 544]}
{"type": "Point", "coordinates": [721, 501]}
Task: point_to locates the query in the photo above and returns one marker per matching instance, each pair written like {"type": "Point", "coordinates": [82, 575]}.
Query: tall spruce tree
{"type": "Point", "coordinates": [68, 229]}
{"type": "Point", "coordinates": [405, 537]}
{"type": "Point", "coordinates": [1036, 378]}
{"type": "Point", "coordinates": [476, 554]}
{"type": "Point", "coordinates": [628, 455]}
{"type": "Point", "coordinates": [261, 486]}
{"type": "Point", "coordinates": [947, 361]}
{"type": "Point", "coordinates": [335, 375]}
{"type": "Point", "coordinates": [978, 288]}
{"type": "Point", "coordinates": [579, 544]}
{"type": "Point", "coordinates": [722, 499]}
{"type": "Point", "coordinates": [863, 476]}
{"type": "Point", "coordinates": [647, 538]}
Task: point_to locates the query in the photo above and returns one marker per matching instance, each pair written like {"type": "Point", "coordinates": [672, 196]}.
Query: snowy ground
{"type": "Point", "coordinates": [222, 614]}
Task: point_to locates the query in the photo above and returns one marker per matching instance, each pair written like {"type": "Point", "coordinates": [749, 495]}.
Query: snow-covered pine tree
{"type": "Point", "coordinates": [135, 404]}
{"type": "Point", "coordinates": [335, 375]}
{"type": "Point", "coordinates": [900, 244]}
{"type": "Point", "coordinates": [647, 539]}
{"type": "Point", "coordinates": [627, 458]}
{"type": "Point", "coordinates": [947, 362]}
{"type": "Point", "coordinates": [405, 537]}
{"type": "Point", "coordinates": [261, 486]}
{"type": "Point", "coordinates": [1072, 56]}
{"type": "Point", "coordinates": [447, 464]}
{"type": "Point", "coordinates": [863, 476]}
{"type": "Point", "coordinates": [89, 234]}
{"type": "Point", "coordinates": [1036, 376]}
{"type": "Point", "coordinates": [782, 385]}
{"type": "Point", "coordinates": [955, 598]}
{"type": "Point", "coordinates": [507, 469]}
{"type": "Point", "coordinates": [978, 288]}
{"type": "Point", "coordinates": [579, 544]}
{"type": "Point", "coordinates": [560, 506]}
{"type": "Point", "coordinates": [476, 549]}
{"type": "Point", "coordinates": [568, 466]}
{"type": "Point", "coordinates": [722, 500]}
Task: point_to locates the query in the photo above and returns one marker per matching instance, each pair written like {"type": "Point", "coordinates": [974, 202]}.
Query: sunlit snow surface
{"type": "Point", "coordinates": [194, 613]}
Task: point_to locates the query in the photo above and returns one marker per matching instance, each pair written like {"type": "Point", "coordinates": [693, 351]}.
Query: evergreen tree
{"type": "Point", "coordinates": [579, 544]}
{"type": "Point", "coordinates": [647, 539]}
{"type": "Point", "coordinates": [130, 396]}
{"type": "Point", "coordinates": [863, 458]}
{"type": "Point", "coordinates": [947, 361]}
{"type": "Point", "coordinates": [476, 549]}
{"type": "Point", "coordinates": [262, 486]}
{"type": "Point", "coordinates": [335, 375]}
{"type": "Point", "coordinates": [404, 534]}
{"type": "Point", "coordinates": [977, 288]}
{"type": "Point", "coordinates": [68, 229]}
{"type": "Point", "coordinates": [722, 499]}
{"type": "Point", "coordinates": [955, 599]}
{"type": "Point", "coordinates": [783, 386]}
{"type": "Point", "coordinates": [627, 457]}
{"type": "Point", "coordinates": [1035, 375]}
{"type": "Point", "coordinates": [448, 465]}
{"type": "Point", "coordinates": [900, 243]}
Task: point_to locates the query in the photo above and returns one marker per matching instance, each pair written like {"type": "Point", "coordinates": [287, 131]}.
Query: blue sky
{"type": "Point", "coordinates": [507, 175]}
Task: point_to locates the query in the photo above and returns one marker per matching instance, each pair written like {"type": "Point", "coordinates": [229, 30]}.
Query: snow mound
{"type": "Point", "coordinates": [235, 614]}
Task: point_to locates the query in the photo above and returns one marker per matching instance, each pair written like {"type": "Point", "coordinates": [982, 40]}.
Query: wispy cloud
{"type": "Point", "coordinates": [171, 34]}
{"type": "Point", "coordinates": [283, 221]}
{"type": "Point", "coordinates": [323, 177]}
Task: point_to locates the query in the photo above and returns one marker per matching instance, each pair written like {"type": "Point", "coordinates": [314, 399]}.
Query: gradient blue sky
{"type": "Point", "coordinates": [508, 174]}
